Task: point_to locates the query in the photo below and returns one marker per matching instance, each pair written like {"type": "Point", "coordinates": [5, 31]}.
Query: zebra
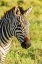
{"type": "Point", "coordinates": [14, 23]}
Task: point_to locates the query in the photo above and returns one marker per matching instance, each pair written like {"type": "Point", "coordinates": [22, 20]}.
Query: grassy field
{"type": "Point", "coordinates": [17, 54]}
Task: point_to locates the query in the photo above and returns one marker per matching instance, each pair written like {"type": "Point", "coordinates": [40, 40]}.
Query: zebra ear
{"type": "Point", "coordinates": [27, 11]}
{"type": "Point", "coordinates": [17, 11]}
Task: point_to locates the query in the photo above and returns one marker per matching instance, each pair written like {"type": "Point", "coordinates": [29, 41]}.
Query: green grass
{"type": "Point", "coordinates": [17, 54]}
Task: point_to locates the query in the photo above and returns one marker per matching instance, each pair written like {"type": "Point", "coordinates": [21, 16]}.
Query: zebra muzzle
{"type": "Point", "coordinates": [26, 44]}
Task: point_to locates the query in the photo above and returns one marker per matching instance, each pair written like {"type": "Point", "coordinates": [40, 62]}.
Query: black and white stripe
{"type": "Point", "coordinates": [13, 23]}
{"type": "Point", "coordinates": [9, 27]}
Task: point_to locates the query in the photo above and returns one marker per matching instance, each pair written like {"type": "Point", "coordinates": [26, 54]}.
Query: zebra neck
{"type": "Point", "coordinates": [5, 32]}
{"type": "Point", "coordinates": [6, 27]}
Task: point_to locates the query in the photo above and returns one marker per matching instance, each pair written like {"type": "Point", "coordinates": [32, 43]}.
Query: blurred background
{"type": "Point", "coordinates": [17, 54]}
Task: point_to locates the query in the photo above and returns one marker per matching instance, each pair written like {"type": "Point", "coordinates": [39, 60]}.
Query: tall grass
{"type": "Point", "coordinates": [17, 54]}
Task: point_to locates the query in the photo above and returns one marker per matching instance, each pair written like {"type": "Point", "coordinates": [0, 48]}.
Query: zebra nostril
{"type": "Point", "coordinates": [26, 44]}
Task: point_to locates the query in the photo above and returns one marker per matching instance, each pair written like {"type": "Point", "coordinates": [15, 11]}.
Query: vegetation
{"type": "Point", "coordinates": [17, 54]}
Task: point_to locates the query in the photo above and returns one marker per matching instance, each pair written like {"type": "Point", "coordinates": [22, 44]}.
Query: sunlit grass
{"type": "Point", "coordinates": [17, 54]}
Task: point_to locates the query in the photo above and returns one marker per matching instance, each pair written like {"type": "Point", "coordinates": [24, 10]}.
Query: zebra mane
{"type": "Point", "coordinates": [7, 13]}
{"type": "Point", "coordinates": [12, 10]}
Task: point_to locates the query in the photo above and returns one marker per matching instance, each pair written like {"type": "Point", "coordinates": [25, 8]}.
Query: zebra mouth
{"type": "Point", "coordinates": [26, 44]}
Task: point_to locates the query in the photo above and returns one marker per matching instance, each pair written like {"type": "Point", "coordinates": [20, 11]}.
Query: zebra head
{"type": "Point", "coordinates": [22, 32]}
{"type": "Point", "coordinates": [21, 26]}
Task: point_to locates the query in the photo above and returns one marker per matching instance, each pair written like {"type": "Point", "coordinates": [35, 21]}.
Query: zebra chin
{"type": "Point", "coordinates": [26, 44]}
